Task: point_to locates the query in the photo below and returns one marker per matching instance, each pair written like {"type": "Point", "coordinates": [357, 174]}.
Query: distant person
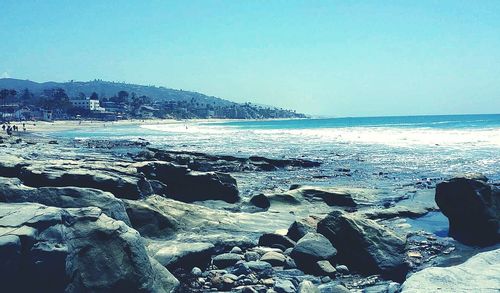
{"type": "Point", "coordinates": [3, 127]}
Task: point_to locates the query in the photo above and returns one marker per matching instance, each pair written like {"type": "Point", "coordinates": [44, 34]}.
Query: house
{"type": "Point", "coordinates": [87, 104]}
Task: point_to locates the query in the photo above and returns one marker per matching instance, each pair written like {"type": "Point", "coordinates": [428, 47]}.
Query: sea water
{"type": "Point", "coordinates": [385, 152]}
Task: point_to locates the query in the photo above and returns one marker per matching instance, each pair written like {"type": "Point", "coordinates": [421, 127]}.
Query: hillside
{"type": "Point", "coordinates": [108, 89]}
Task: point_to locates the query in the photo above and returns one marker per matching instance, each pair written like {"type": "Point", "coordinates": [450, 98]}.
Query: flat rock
{"type": "Point", "coordinates": [226, 260]}
{"type": "Point", "coordinates": [186, 255]}
{"type": "Point", "coordinates": [274, 258]}
{"type": "Point", "coordinates": [273, 240]}
{"type": "Point", "coordinates": [481, 273]}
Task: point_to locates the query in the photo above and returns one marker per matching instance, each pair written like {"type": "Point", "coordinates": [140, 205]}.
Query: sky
{"type": "Point", "coordinates": [330, 58]}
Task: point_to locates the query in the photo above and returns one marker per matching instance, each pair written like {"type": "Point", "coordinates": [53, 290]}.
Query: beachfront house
{"type": "Point", "coordinates": [87, 104]}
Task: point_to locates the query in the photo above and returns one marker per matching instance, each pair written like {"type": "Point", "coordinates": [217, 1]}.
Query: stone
{"type": "Point", "coordinates": [74, 250]}
{"type": "Point", "coordinates": [258, 266]}
{"type": "Point", "coordinates": [270, 239]}
{"type": "Point", "coordinates": [331, 196]}
{"type": "Point", "coordinates": [343, 269]}
{"type": "Point", "coordinates": [473, 209]}
{"type": "Point", "coordinates": [307, 286]}
{"type": "Point", "coordinates": [325, 268]}
{"type": "Point", "coordinates": [284, 286]}
{"type": "Point", "coordinates": [310, 249]}
{"type": "Point", "coordinates": [480, 273]}
{"type": "Point", "coordinates": [365, 245]}
{"type": "Point", "coordinates": [300, 228]}
{"type": "Point", "coordinates": [289, 263]}
{"type": "Point", "coordinates": [226, 260]}
{"type": "Point", "coordinates": [236, 250]}
{"type": "Point", "coordinates": [260, 201]}
{"type": "Point", "coordinates": [196, 271]}
{"type": "Point", "coordinates": [185, 255]}
{"type": "Point", "coordinates": [149, 220]}
{"type": "Point", "coordinates": [333, 288]}
{"type": "Point", "coordinates": [274, 258]}
{"type": "Point", "coordinates": [251, 256]}
{"type": "Point", "coordinates": [189, 186]}
{"type": "Point", "coordinates": [13, 190]}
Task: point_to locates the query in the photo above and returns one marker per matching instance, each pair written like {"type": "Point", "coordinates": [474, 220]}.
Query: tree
{"type": "Point", "coordinates": [94, 96]}
{"type": "Point", "coordinates": [26, 95]}
{"type": "Point", "coordinates": [123, 96]}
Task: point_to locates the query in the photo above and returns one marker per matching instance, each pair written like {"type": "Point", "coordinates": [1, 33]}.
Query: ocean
{"type": "Point", "coordinates": [374, 152]}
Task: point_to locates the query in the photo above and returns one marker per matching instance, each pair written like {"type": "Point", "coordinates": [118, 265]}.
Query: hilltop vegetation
{"type": "Point", "coordinates": [131, 100]}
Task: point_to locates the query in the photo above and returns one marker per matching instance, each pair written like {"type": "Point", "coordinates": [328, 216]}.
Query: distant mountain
{"type": "Point", "coordinates": [109, 89]}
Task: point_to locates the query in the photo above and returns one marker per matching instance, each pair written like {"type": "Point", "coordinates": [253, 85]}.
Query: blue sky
{"type": "Point", "coordinates": [337, 58]}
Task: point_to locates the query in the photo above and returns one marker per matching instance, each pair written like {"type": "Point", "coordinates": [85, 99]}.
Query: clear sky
{"type": "Point", "coordinates": [338, 58]}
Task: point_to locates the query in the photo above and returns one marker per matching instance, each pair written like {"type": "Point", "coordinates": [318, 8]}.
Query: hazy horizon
{"type": "Point", "coordinates": [336, 59]}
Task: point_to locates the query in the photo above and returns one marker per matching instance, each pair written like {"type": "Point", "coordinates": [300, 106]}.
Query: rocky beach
{"type": "Point", "coordinates": [125, 215]}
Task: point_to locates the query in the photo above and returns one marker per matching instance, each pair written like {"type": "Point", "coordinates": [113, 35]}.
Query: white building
{"type": "Point", "coordinates": [88, 104]}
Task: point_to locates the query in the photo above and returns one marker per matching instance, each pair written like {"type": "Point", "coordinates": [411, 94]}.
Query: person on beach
{"type": "Point", "coordinates": [3, 127]}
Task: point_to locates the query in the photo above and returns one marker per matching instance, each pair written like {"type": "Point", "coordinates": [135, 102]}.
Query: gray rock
{"type": "Point", "coordinates": [196, 271]}
{"type": "Point", "coordinates": [343, 269]}
{"type": "Point", "coordinates": [12, 190]}
{"type": "Point", "coordinates": [149, 220]}
{"type": "Point", "coordinates": [300, 228]}
{"type": "Point", "coordinates": [325, 268]}
{"type": "Point", "coordinates": [307, 287]}
{"type": "Point", "coordinates": [226, 260]}
{"type": "Point", "coordinates": [310, 249]}
{"type": "Point", "coordinates": [252, 256]}
{"type": "Point", "coordinates": [186, 255]}
{"type": "Point", "coordinates": [274, 258]}
{"type": "Point", "coordinates": [188, 186]}
{"type": "Point", "coordinates": [258, 266]}
{"type": "Point", "coordinates": [481, 273]}
{"type": "Point", "coordinates": [365, 245]}
{"type": "Point", "coordinates": [331, 196]}
{"type": "Point", "coordinates": [332, 288]}
{"type": "Point", "coordinates": [236, 250]}
{"type": "Point", "coordinates": [273, 239]}
{"type": "Point", "coordinates": [75, 250]}
{"type": "Point", "coordinates": [284, 286]}
{"type": "Point", "coordinates": [473, 209]}
{"type": "Point", "coordinates": [260, 201]}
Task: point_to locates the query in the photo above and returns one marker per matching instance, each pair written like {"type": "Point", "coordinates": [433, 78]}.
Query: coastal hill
{"type": "Point", "coordinates": [158, 96]}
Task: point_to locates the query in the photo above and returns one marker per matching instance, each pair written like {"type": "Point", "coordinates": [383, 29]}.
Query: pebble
{"type": "Point", "coordinates": [343, 269]}
{"type": "Point", "coordinates": [196, 272]}
{"type": "Point", "coordinates": [284, 286]}
{"type": "Point", "coordinates": [236, 250]}
{"type": "Point", "coordinates": [252, 256]}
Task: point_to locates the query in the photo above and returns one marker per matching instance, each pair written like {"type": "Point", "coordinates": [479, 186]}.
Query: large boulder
{"type": "Point", "coordinates": [189, 186]}
{"type": "Point", "coordinates": [365, 245]}
{"type": "Point", "coordinates": [481, 273]}
{"type": "Point", "coordinates": [122, 182]}
{"type": "Point", "coordinates": [12, 190]}
{"type": "Point", "coordinates": [301, 227]}
{"type": "Point", "coordinates": [276, 240]}
{"type": "Point", "coordinates": [310, 249]}
{"type": "Point", "coordinates": [149, 220]}
{"type": "Point", "coordinates": [185, 255]}
{"type": "Point", "coordinates": [473, 209]}
{"type": "Point", "coordinates": [48, 249]}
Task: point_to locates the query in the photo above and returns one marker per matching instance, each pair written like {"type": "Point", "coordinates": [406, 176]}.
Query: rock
{"type": "Point", "coordinates": [258, 266]}
{"type": "Point", "coordinates": [122, 182]}
{"type": "Point", "coordinates": [226, 260]}
{"type": "Point", "coordinates": [236, 250]}
{"type": "Point", "coordinates": [274, 258]}
{"type": "Point", "coordinates": [241, 269]}
{"type": "Point", "coordinates": [196, 271]}
{"type": "Point", "coordinates": [307, 287]}
{"type": "Point", "coordinates": [189, 186]}
{"type": "Point", "coordinates": [326, 279]}
{"type": "Point", "coordinates": [12, 190]}
{"type": "Point", "coordinates": [185, 255]}
{"type": "Point", "coordinates": [481, 273]}
{"type": "Point", "coordinates": [300, 228]}
{"type": "Point", "coordinates": [398, 212]}
{"type": "Point", "coordinates": [272, 239]}
{"type": "Point", "coordinates": [74, 250]}
{"type": "Point", "coordinates": [333, 288]}
{"type": "Point", "coordinates": [252, 256]}
{"type": "Point", "coordinates": [365, 245]}
{"type": "Point", "coordinates": [284, 286]}
{"type": "Point", "coordinates": [260, 201]}
{"type": "Point", "coordinates": [331, 196]}
{"type": "Point", "coordinates": [149, 220]}
{"type": "Point", "coordinates": [325, 268]}
{"type": "Point", "coordinates": [289, 263]}
{"type": "Point", "coordinates": [343, 269]}
{"type": "Point", "coordinates": [473, 209]}
{"type": "Point", "coordinates": [310, 249]}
